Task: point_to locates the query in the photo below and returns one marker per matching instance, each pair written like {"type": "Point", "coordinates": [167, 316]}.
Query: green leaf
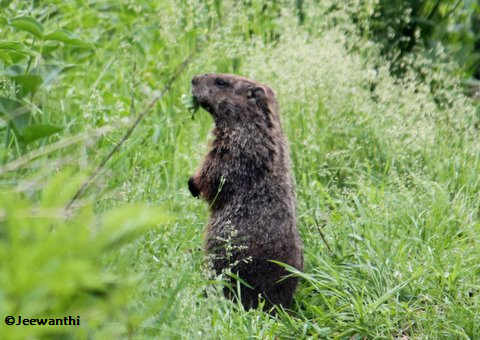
{"type": "Point", "coordinates": [17, 57]}
{"type": "Point", "coordinates": [123, 224]}
{"type": "Point", "coordinates": [50, 72]}
{"type": "Point", "coordinates": [67, 38]}
{"type": "Point", "coordinates": [5, 57]}
{"type": "Point", "coordinates": [5, 3]}
{"type": "Point", "coordinates": [28, 24]}
{"type": "Point", "coordinates": [14, 70]}
{"type": "Point", "coordinates": [11, 108]}
{"type": "Point", "coordinates": [11, 45]}
{"type": "Point", "coordinates": [16, 114]}
{"type": "Point", "coordinates": [15, 46]}
{"type": "Point", "coordinates": [48, 48]}
{"type": "Point", "coordinates": [60, 35]}
{"type": "Point", "coordinates": [13, 51]}
{"type": "Point", "coordinates": [36, 131]}
{"type": "Point", "coordinates": [29, 83]}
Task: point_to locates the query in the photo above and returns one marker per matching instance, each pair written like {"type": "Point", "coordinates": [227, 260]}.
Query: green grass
{"type": "Point", "coordinates": [387, 169]}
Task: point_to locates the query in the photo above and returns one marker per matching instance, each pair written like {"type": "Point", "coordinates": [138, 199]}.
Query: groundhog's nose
{"type": "Point", "coordinates": [195, 80]}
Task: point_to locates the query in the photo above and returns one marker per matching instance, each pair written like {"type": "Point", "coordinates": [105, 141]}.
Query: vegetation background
{"type": "Point", "coordinates": [379, 100]}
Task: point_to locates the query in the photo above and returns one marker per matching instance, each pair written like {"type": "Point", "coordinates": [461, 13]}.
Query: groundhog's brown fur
{"type": "Point", "coordinates": [247, 181]}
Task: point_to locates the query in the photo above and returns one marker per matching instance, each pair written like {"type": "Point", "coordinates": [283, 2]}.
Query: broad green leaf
{"type": "Point", "coordinates": [60, 35]}
{"type": "Point", "coordinates": [67, 38]}
{"type": "Point", "coordinates": [28, 24]}
{"type": "Point", "coordinates": [13, 51]}
{"type": "Point", "coordinates": [5, 3]}
{"type": "Point", "coordinates": [19, 123]}
{"type": "Point", "coordinates": [29, 83]}
{"type": "Point", "coordinates": [11, 45]}
{"type": "Point", "coordinates": [36, 131]}
{"type": "Point", "coordinates": [48, 48]}
{"type": "Point", "coordinates": [123, 224]}
{"type": "Point", "coordinates": [14, 46]}
{"type": "Point", "coordinates": [50, 72]}
{"type": "Point", "coordinates": [14, 70]}
{"type": "Point", "coordinates": [17, 57]}
{"type": "Point", "coordinates": [11, 108]}
{"type": "Point", "coordinates": [16, 114]}
{"type": "Point", "coordinates": [5, 57]}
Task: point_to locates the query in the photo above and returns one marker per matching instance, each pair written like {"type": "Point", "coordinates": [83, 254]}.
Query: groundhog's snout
{"type": "Point", "coordinates": [195, 80]}
{"type": "Point", "coordinates": [197, 84]}
{"type": "Point", "coordinates": [195, 87]}
{"type": "Point", "coordinates": [201, 93]}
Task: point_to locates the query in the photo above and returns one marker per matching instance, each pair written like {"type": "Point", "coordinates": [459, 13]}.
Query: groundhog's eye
{"type": "Point", "coordinates": [220, 82]}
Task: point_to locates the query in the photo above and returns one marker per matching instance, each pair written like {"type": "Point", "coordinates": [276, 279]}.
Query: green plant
{"type": "Point", "coordinates": [30, 63]}
{"type": "Point", "coordinates": [402, 26]}
{"type": "Point", "coordinates": [50, 259]}
{"type": "Point", "coordinates": [388, 172]}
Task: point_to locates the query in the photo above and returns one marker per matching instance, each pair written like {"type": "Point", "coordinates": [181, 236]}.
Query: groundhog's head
{"type": "Point", "coordinates": [232, 99]}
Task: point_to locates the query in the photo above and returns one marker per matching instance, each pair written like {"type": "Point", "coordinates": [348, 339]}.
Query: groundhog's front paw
{"type": "Point", "coordinates": [193, 188]}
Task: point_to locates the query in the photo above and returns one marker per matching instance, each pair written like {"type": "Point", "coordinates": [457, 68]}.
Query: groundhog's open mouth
{"type": "Point", "coordinates": [195, 104]}
{"type": "Point", "coordinates": [201, 103]}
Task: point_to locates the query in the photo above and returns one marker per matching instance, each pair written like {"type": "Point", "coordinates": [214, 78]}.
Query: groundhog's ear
{"type": "Point", "coordinates": [259, 95]}
{"type": "Point", "coordinates": [256, 93]}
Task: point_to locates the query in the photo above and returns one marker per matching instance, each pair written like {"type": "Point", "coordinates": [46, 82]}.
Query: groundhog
{"type": "Point", "coordinates": [246, 179]}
